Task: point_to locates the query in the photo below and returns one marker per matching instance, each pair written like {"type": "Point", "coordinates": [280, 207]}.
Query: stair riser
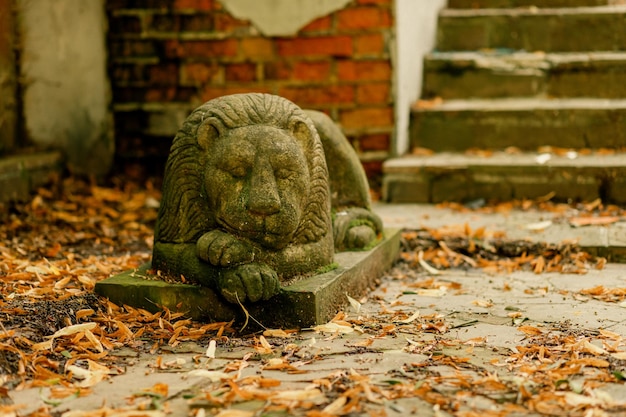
{"type": "Point", "coordinates": [504, 183]}
{"type": "Point", "coordinates": [525, 129]}
{"type": "Point", "coordinates": [473, 4]}
{"type": "Point", "coordinates": [452, 80]}
{"type": "Point", "coordinates": [530, 32]}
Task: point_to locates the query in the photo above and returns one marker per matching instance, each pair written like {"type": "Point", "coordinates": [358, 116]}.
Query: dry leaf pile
{"type": "Point", "coordinates": [53, 250]}
{"type": "Point", "coordinates": [57, 334]}
{"type": "Point", "coordinates": [462, 247]}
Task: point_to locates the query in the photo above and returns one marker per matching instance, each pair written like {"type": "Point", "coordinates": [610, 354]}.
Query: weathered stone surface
{"type": "Point", "coordinates": [549, 30]}
{"type": "Point", "coordinates": [306, 302]}
{"type": "Point", "coordinates": [453, 75]}
{"type": "Point", "coordinates": [20, 175]}
{"type": "Point", "coordinates": [474, 4]}
{"type": "Point", "coordinates": [525, 123]}
{"type": "Point", "coordinates": [247, 197]}
{"type": "Point", "coordinates": [457, 177]}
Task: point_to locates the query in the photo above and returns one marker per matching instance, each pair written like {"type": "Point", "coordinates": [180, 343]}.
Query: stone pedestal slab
{"type": "Point", "coordinates": [306, 302]}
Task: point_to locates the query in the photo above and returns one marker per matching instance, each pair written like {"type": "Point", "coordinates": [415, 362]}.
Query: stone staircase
{"type": "Point", "coordinates": [519, 101]}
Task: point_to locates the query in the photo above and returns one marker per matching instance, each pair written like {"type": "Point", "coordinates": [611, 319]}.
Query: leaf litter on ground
{"type": "Point", "coordinates": [57, 334]}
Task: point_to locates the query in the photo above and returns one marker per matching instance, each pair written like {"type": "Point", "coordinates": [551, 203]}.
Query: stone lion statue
{"type": "Point", "coordinates": [248, 201]}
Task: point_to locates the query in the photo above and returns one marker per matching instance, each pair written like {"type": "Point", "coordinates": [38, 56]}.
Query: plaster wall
{"type": "Point", "coordinates": [281, 17]}
{"type": "Point", "coordinates": [416, 24]}
{"type": "Point", "coordinates": [66, 94]}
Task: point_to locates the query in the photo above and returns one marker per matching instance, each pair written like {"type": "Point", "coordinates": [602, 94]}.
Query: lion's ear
{"type": "Point", "coordinates": [301, 131]}
{"type": "Point", "coordinates": [207, 133]}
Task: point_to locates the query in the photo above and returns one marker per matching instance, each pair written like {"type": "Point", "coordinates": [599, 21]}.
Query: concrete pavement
{"type": "Point", "coordinates": [395, 335]}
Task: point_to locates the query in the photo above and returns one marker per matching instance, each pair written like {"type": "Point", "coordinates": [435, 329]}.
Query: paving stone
{"type": "Point", "coordinates": [307, 302]}
{"type": "Point", "coordinates": [385, 359]}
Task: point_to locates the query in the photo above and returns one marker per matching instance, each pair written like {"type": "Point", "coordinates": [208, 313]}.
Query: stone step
{"type": "Point", "coordinates": [502, 176]}
{"type": "Point", "coordinates": [21, 174]}
{"type": "Point", "coordinates": [452, 75]}
{"type": "Point", "coordinates": [488, 4]}
{"type": "Point", "coordinates": [533, 29]}
{"type": "Point", "coordinates": [527, 123]}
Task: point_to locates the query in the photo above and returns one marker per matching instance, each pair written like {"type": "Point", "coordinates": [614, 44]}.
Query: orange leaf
{"type": "Point", "coordinates": [530, 330]}
{"type": "Point", "coordinates": [593, 221]}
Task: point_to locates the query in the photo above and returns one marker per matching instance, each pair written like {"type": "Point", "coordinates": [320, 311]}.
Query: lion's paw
{"type": "Point", "coordinates": [223, 249]}
{"type": "Point", "coordinates": [355, 228]}
{"type": "Point", "coordinates": [249, 282]}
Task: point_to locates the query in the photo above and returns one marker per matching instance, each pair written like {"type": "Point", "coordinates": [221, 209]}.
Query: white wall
{"type": "Point", "coordinates": [416, 24]}
{"type": "Point", "coordinates": [66, 90]}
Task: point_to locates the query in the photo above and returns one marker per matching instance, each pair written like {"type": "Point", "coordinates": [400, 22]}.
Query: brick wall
{"type": "Point", "coordinates": [169, 56]}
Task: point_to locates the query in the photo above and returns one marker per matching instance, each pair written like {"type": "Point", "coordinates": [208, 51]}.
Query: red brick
{"type": "Point", "coordinates": [200, 49]}
{"type": "Point", "coordinates": [123, 25]}
{"type": "Point", "coordinates": [278, 70]}
{"type": "Point", "coordinates": [160, 94]}
{"type": "Point", "coordinates": [163, 74]}
{"type": "Point", "coordinates": [311, 71]}
{"type": "Point", "coordinates": [194, 4]}
{"type": "Point", "coordinates": [374, 142]}
{"type": "Point", "coordinates": [318, 25]}
{"type": "Point", "coordinates": [358, 18]}
{"type": "Point", "coordinates": [244, 72]}
{"type": "Point", "coordinates": [317, 46]}
{"type": "Point", "coordinates": [127, 73]}
{"type": "Point", "coordinates": [212, 92]}
{"type": "Point", "coordinates": [306, 95]}
{"type": "Point", "coordinates": [162, 22]}
{"type": "Point", "coordinates": [373, 93]}
{"type": "Point", "coordinates": [133, 48]}
{"type": "Point", "coordinates": [372, 44]}
{"type": "Point", "coordinates": [257, 48]}
{"type": "Point", "coordinates": [224, 22]}
{"type": "Point", "coordinates": [364, 70]}
{"type": "Point", "coordinates": [199, 73]}
{"type": "Point", "coordinates": [367, 117]}
{"type": "Point", "coordinates": [156, 94]}
{"type": "Point", "coordinates": [197, 22]}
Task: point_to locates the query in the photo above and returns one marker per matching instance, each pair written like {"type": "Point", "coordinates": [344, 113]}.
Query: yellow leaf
{"type": "Point", "coordinates": [276, 333]}
{"type": "Point", "coordinates": [333, 328]}
{"type": "Point", "coordinates": [235, 413]}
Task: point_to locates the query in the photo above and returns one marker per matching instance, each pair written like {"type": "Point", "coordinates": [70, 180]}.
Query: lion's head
{"type": "Point", "coordinates": [251, 165]}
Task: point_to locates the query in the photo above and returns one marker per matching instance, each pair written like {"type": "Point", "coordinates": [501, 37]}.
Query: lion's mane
{"type": "Point", "coordinates": [184, 213]}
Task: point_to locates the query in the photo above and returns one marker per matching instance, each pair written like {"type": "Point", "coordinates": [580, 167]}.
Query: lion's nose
{"type": "Point", "coordinates": [264, 198]}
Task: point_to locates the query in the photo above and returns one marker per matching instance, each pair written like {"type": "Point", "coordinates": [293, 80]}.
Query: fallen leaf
{"type": "Point", "coordinates": [411, 319]}
{"type": "Point", "coordinates": [235, 413]}
{"type": "Point", "coordinates": [210, 351]}
{"type": "Point", "coordinates": [483, 303]}
{"type": "Point", "coordinates": [213, 376]}
{"type": "Point", "coordinates": [333, 327]}
{"type": "Point", "coordinates": [356, 306]}
{"type": "Point", "coordinates": [276, 333]}
{"type": "Point", "coordinates": [424, 264]}
{"type": "Point", "coordinates": [538, 226]}
{"type": "Point", "coordinates": [530, 330]}
{"type": "Point", "coordinates": [593, 221]}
